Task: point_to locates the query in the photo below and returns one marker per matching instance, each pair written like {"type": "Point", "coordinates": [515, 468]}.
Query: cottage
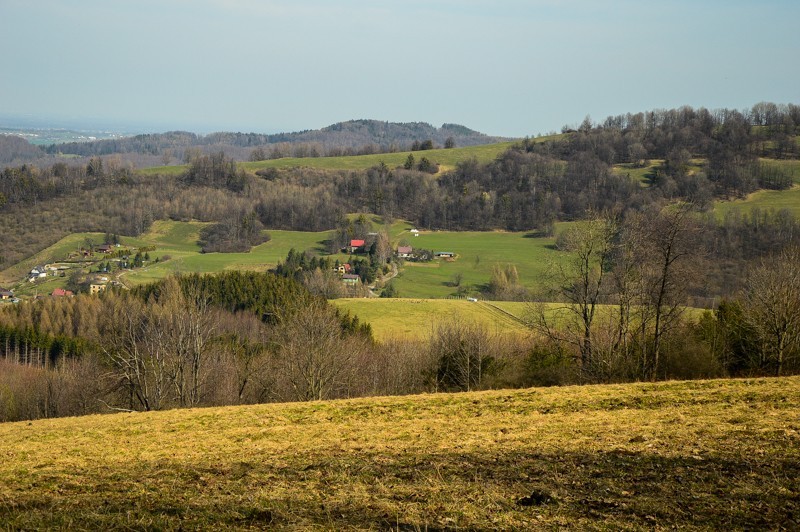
{"type": "Point", "coordinates": [105, 248]}
{"type": "Point", "coordinates": [60, 292]}
{"type": "Point", "coordinates": [355, 246]}
{"type": "Point", "coordinates": [96, 288]}
{"type": "Point", "coordinates": [404, 252]}
{"type": "Point", "coordinates": [343, 269]}
{"type": "Point", "coordinates": [350, 278]}
{"type": "Point", "coordinates": [6, 294]}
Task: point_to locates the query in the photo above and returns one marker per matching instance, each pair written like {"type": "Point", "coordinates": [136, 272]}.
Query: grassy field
{"type": "Point", "coordinates": [703, 455]}
{"type": "Point", "coordinates": [477, 254]}
{"type": "Point", "coordinates": [763, 199]}
{"type": "Point", "coordinates": [417, 318]}
{"type": "Point", "coordinates": [447, 159]}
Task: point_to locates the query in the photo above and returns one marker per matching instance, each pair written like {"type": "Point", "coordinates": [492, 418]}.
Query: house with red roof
{"type": "Point", "coordinates": [355, 246]}
{"type": "Point", "coordinates": [60, 292]}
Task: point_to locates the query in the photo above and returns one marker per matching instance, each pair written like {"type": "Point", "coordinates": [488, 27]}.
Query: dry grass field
{"type": "Point", "coordinates": [713, 455]}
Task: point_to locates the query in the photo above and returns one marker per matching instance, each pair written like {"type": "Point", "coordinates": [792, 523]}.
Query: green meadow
{"type": "Point", "coordinates": [763, 199]}
{"type": "Point", "coordinates": [477, 253]}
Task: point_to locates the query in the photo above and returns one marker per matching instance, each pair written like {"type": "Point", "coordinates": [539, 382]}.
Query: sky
{"type": "Point", "coordinates": [503, 67]}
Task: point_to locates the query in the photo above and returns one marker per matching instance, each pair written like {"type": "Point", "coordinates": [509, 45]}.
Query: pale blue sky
{"type": "Point", "coordinates": [505, 67]}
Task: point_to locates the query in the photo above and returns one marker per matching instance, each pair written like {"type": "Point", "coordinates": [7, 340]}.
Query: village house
{"type": "Point", "coordinates": [60, 292]}
{"type": "Point", "coordinates": [37, 272]}
{"type": "Point", "coordinates": [343, 269]}
{"type": "Point", "coordinates": [96, 288]}
{"type": "Point", "coordinates": [404, 252]}
{"type": "Point", "coordinates": [350, 278]}
{"type": "Point", "coordinates": [355, 246]}
{"type": "Point", "coordinates": [6, 294]}
{"type": "Point", "coordinates": [105, 248]}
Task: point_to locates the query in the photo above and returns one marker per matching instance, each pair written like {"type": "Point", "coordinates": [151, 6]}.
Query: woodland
{"type": "Point", "coordinates": [641, 251]}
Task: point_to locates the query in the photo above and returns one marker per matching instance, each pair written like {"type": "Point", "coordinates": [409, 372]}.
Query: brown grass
{"type": "Point", "coordinates": [699, 455]}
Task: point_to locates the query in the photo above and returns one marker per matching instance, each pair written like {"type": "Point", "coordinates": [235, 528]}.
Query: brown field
{"type": "Point", "coordinates": [717, 455]}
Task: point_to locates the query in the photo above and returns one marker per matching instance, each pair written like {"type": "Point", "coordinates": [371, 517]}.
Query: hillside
{"type": "Point", "coordinates": [175, 246]}
{"type": "Point", "coordinates": [689, 455]}
{"type": "Point", "coordinates": [447, 159]}
{"type": "Point", "coordinates": [352, 135]}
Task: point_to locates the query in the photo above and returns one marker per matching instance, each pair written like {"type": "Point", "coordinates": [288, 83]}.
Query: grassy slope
{"type": "Point", "coordinates": [178, 240]}
{"type": "Point", "coordinates": [763, 199]}
{"type": "Point", "coordinates": [768, 199]}
{"type": "Point", "coordinates": [446, 158]}
{"type": "Point", "coordinates": [714, 455]}
{"type": "Point", "coordinates": [477, 254]}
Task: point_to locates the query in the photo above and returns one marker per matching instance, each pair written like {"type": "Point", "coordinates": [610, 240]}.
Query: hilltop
{"type": "Point", "coordinates": [691, 455]}
{"type": "Point", "coordinates": [353, 137]}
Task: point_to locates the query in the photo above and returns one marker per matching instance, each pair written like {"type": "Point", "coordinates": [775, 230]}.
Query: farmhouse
{"type": "Point", "coordinates": [404, 252]}
{"type": "Point", "coordinates": [60, 292]}
{"type": "Point", "coordinates": [96, 288]}
{"type": "Point", "coordinates": [350, 278]}
{"type": "Point", "coordinates": [355, 246]}
{"type": "Point", "coordinates": [38, 272]}
{"type": "Point", "coordinates": [6, 294]}
{"type": "Point", "coordinates": [105, 248]}
{"type": "Point", "coordinates": [342, 269]}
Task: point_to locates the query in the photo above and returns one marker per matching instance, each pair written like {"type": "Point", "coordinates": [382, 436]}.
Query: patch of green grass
{"type": "Point", "coordinates": [477, 254]}
{"type": "Point", "coordinates": [763, 199]}
{"type": "Point", "coordinates": [711, 455]}
{"type": "Point", "coordinates": [417, 318]}
{"type": "Point", "coordinates": [186, 256]}
{"type": "Point", "coordinates": [640, 174]}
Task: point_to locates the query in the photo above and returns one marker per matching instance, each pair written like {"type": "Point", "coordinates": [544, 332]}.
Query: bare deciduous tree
{"type": "Point", "coordinates": [772, 308]}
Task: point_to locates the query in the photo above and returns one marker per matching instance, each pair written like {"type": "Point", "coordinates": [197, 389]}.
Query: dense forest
{"type": "Point", "coordinates": [644, 247]}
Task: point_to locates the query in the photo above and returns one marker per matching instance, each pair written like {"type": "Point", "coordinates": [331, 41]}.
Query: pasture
{"type": "Point", "coordinates": [416, 319]}
{"type": "Point", "coordinates": [707, 455]}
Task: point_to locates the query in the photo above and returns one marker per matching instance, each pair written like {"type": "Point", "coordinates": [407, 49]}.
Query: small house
{"type": "Point", "coordinates": [60, 292]}
{"type": "Point", "coordinates": [105, 248]}
{"type": "Point", "coordinates": [404, 252]}
{"type": "Point", "coordinates": [6, 294]}
{"type": "Point", "coordinates": [350, 278]}
{"type": "Point", "coordinates": [355, 246]}
{"type": "Point", "coordinates": [96, 288]}
{"type": "Point", "coordinates": [444, 254]}
{"type": "Point", "coordinates": [343, 269]}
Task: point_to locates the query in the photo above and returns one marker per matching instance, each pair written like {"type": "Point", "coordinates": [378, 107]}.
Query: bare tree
{"type": "Point", "coordinates": [772, 308]}
{"type": "Point", "coordinates": [314, 357]}
{"type": "Point", "coordinates": [581, 286]}
{"type": "Point", "coordinates": [669, 258]}
{"type": "Point", "coordinates": [462, 351]}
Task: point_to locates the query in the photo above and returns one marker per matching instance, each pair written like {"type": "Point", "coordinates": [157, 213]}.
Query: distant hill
{"type": "Point", "coordinates": [344, 138]}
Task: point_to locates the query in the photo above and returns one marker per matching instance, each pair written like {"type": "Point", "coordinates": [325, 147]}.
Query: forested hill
{"type": "Point", "coordinates": [354, 137]}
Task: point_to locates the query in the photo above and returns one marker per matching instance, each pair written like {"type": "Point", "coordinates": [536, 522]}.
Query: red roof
{"type": "Point", "coordinates": [356, 243]}
{"type": "Point", "coordinates": [405, 249]}
{"type": "Point", "coordinates": [60, 292]}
